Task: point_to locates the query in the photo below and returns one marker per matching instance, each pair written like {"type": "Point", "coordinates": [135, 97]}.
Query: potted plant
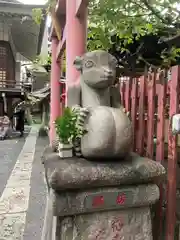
{"type": "Point", "coordinates": [65, 129]}
{"type": "Point", "coordinates": [69, 131]}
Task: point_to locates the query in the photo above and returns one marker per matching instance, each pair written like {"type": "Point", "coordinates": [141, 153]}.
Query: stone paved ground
{"type": "Point", "coordinates": [9, 151]}
{"type": "Point", "coordinates": [37, 202]}
{"type": "Point", "coordinates": [22, 189]}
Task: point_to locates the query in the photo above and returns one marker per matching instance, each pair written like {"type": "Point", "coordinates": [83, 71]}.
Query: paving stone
{"type": "Point", "coordinates": [9, 152]}
{"type": "Point", "coordinates": [12, 226]}
{"type": "Point", "coordinates": [14, 200]}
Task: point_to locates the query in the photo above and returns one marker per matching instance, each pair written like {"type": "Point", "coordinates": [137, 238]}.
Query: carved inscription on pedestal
{"type": "Point", "coordinates": [133, 224]}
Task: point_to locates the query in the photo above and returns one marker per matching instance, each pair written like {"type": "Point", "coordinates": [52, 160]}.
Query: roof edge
{"type": "Point", "coordinates": [28, 6]}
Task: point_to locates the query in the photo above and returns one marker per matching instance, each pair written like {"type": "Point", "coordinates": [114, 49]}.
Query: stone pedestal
{"type": "Point", "coordinates": [91, 200]}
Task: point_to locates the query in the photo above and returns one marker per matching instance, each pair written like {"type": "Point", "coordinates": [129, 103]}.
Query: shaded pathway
{"type": "Point", "coordinates": [9, 152]}
{"type": "Point", "coordinates": [23, 192]}
{"type": "Point", "coordinates": [37, 202]}
{"type": "Point", "coordinates": [14, 200]}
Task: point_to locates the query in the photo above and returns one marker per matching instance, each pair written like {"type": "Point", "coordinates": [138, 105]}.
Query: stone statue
{"type": "Point", "coordinates": [109, 130]}
{"type": "Point", "coordinates": [100, 199]}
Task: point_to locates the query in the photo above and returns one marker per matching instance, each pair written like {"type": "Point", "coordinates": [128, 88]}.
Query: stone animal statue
{"type": "Point", "coordinates": [109, 130]}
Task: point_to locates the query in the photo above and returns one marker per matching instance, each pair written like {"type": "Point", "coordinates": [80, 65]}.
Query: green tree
{"type": "Point", "coordinates": [128, 18]}
{"type": "Point", "coordinates": [119, 23]}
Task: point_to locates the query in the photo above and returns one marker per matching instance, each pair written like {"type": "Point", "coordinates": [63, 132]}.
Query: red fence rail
{"type": "Point", "coordinates": [152, 100]}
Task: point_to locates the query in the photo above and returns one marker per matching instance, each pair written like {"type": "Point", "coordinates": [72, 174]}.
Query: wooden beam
{"type": "Point", "coordinates": [61, 45]}
{"type": "Point", "coordinates": [61, 7]}
{"type": "Point", "coordinates": [52, 33]}
{"type": "Point", "coordinates": [141, 132]}
{"type": "Point", "coordinates": [56, 23]}
{"type": "Point", "coordinates": [81, 5]}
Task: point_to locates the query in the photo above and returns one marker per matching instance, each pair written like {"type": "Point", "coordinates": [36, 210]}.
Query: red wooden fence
{"type": "Point", "coordinates": [152, 100]}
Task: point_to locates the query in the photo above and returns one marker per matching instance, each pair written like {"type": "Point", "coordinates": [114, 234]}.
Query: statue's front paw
{"type": "Point", "coordinates": [81, 130]}
{"type": "Point", "coordinates": [83, 113]}
{"type": "Point", "coordinates": [76, 108]}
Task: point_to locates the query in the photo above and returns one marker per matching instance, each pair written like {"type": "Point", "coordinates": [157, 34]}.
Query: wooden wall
{"type": "Point", "coordinates": [7, 65]}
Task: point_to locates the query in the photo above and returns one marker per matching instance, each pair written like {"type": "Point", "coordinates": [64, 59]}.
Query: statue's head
{"type": "Point", "coordinates": [98, 68]}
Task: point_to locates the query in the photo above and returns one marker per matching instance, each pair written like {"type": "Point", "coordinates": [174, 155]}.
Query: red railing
{"type": "Point", "coordinates": [152, 102]}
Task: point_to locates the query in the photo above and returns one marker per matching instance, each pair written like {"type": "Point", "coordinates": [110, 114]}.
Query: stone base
{"type": "Point", "coordinates": [93, 200]}
{"type": "Point", "coordinates": [106, 213]}
{"type": "Point", "coordinates": [128, 224]}
{"type": "Point", "coordinates": [79, 173]}
{"type": "Point", "coordinates": [76, 202]}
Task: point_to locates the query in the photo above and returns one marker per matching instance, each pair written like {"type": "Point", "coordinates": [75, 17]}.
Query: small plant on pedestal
{"type": "Point", "coordinates": [68, 131]}
{"type": "Point", "coordinates": [65, 128]}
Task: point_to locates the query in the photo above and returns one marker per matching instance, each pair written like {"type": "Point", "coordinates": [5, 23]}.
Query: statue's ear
{"type": "Point", "coordinates": [78, 63]}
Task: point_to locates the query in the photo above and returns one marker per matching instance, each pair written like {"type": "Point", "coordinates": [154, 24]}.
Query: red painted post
{"type": "Point", "coordinates": [172, 156]}
{"type": "Point", "coordinates": [76, 32]}
{"type": "Point", "coordinates": [134, 110]}
{"type": "Point", "coordinates": [64, 96]}
{"type": "Point", "coordinates": [122, 90]}
{"type": "Point", "coordinates": [141, 122]}
{"type": "Point", "coordinates": [151, 90]}
{"type": "Point", "coordinates": [162, 91]}
{"type": "Point", "coordinates": [160, 138]}
{"type": "Point", "coordinates": [128, 94]}
{"type": "Point", "coordinates": [55, 109]}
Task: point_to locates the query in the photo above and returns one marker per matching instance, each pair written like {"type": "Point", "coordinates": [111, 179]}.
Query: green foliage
{"type": "Point", "coordinates": [50, 4]}
{"type": "Point", "coordinates": [37, 15]}
{"type": "Point", "coordinates": [127, 19]}
{"type": "Point", "coordinates": [170, 56]}
{"type": "Point", "coordinates": [42, 61]}
{"type": "Point", "coordinates": [66, 127]}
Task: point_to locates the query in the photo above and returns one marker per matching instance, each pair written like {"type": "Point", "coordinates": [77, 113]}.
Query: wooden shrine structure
{"type": "Point", "coordinates": [20, 41]}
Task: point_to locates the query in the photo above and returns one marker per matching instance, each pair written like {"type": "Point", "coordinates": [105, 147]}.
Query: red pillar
{"type": "Point", "coordinates": [55, 109]}
{"type": "Point", "coordinates": [76, 29]}
{"type": "Point", "coordinates": [172, 157]}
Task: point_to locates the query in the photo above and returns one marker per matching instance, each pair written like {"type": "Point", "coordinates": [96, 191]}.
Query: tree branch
{"type": "Point", "coordinates": [138, 49]}
{"type": "Point", "coordinates": [172, 40]}
{"type": "Point", "coordinates": [136, 16]}
{"type": "Point", "coordinates": [147, 63]}
{"type": "Point", "coordinates": [139, 5]}
{"type": "Point", "coordinates": [155, 12]}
